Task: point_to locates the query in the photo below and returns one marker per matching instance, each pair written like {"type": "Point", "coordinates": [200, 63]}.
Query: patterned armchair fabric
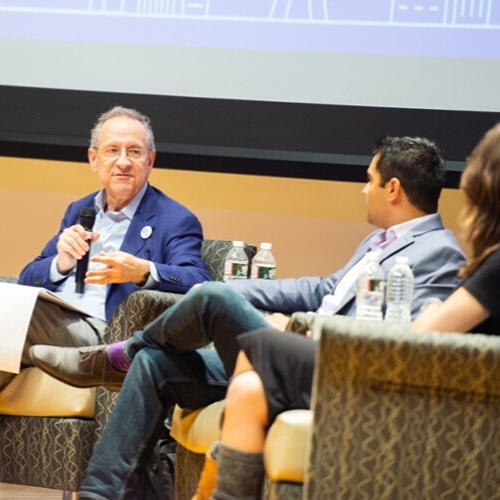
{"type": "Point", "coordinates": [54, 452]}
{"type": "Point", "coordinates": [214, 253]}
{"type": "Point", "coordinates": [404, 415]}
{"type": "Point", "coordinates": [8, 279]}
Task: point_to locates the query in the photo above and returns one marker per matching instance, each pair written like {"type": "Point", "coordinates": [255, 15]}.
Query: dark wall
{"type": "Point", "coordinates": [248, 137]}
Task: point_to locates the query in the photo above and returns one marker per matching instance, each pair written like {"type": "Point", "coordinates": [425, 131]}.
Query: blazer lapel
{"type": "Point", "coordinates": [145, 217]}
{"type": "Point", "coordinates": [396, 246]}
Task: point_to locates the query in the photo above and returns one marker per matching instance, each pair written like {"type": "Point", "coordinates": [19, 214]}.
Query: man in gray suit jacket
{"type": "Point", "coordinates": [164, 362]}
{"type": "Point", "coordinates": [405, 179]}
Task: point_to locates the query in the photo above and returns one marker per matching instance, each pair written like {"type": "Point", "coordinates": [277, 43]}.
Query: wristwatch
{"type": "Point", "coordinates": [144, 279]}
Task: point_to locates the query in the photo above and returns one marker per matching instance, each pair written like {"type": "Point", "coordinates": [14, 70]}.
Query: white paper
{"type": "Point", "coordinates": [52, 297]}
{"type": "Point", "coordinates": [16, 308]}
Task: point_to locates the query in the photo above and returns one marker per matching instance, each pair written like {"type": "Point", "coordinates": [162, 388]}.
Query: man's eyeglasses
{"type": "Point", "coordinates": [113, 153]}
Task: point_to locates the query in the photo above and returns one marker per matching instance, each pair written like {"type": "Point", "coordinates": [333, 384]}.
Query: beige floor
{"type": "Point", "coordinates": [15, 492]}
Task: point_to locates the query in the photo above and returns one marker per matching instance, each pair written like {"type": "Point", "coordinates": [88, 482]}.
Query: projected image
{"type": "Point", "coordinates": [385, 53]}
{"type": "Point", "coordinates": [445, 12]}
{"type": "Point", "coordinates": [421, 27]}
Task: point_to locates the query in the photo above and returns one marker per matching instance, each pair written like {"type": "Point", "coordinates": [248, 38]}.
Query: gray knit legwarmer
{"type": "Point", "coordinates": [240, 475]}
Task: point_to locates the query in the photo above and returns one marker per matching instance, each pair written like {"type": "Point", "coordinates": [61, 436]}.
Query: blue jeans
{"type": "Point", "coordinates": [168, 367]}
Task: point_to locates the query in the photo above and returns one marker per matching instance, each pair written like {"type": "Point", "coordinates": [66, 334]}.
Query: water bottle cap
{"type": "Point", "coordinates": [237, 243]}
{"type": "Point", "coordinates": [266, 246]}
{"type": "Point", "coordinates": [401, 259]}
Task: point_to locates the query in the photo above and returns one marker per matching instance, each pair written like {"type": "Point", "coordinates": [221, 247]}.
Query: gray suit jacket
{"type": "Point", "coordinates": [434, 256]}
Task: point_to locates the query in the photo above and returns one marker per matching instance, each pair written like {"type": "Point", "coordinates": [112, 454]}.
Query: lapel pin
{"type": "Point", "coordinates": [146, 232]}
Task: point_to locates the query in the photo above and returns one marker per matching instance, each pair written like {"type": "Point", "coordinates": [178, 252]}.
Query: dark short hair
{"type": "Point", "coordinates": [419, 166]}
{"type": "Point", "coordinates": [119, 111]}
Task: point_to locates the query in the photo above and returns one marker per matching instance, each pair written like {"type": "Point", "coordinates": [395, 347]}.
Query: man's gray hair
{"type": "Point", "coordinates": [119, 111]}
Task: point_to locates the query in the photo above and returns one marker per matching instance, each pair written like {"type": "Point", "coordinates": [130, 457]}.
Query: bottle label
{"type": "Point", "coordinates": [263, 272]}
{"type": "Point", "coordinates": [235, 270]}
{"type": "Point", "coordinates": [369, 285]}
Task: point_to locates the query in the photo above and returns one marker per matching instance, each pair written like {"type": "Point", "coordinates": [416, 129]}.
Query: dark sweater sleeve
{"type": "Point", "coordinates": [484, 283]}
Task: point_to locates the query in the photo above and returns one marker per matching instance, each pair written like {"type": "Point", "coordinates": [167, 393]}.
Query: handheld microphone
{"type": "Point", "coordinates": [86, 219]}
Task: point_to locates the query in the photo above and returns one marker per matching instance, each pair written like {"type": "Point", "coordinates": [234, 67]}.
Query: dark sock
{"type": "Point", "coordinates": [240, 475]}
{"type": "Point", "coordinates": [116, 354]}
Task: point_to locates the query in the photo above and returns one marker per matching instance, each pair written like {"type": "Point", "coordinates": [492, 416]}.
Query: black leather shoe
{"type": "Point", "coordinates": [78, 366]}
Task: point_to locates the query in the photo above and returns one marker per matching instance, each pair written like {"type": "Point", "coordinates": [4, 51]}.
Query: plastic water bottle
{"type": "Point", "coordinates": [370, 290]}
{"type": "Point", "coordinates": [399, 292]}
{"type": "Point", "coordinates": [263, 264]}
{"type": "Point", "coordinates": [236, 263]}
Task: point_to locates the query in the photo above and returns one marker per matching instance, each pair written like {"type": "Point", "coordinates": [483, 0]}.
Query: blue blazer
{"type": "Point", "coordinates": [174, 247]}
{"type": "Point", "coordinates": [434, 256]}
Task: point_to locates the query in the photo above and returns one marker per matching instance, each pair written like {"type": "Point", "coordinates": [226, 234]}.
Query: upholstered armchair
{"type": "Point", "coordinates": [48, 429]}
{"type": "Point", "coordinates": [395, 414]}
{"type": "Point", "coordinates": [399, 414]}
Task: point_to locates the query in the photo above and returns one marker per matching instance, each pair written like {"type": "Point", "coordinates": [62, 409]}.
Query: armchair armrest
{"type": "Point", "coordinates": [136, 311]}
{"type": "Point", "coordinates": [402, 414]}
{"type": "Point", "coordinates": [300, 322]}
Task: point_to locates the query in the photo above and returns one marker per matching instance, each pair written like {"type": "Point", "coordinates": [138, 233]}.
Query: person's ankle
{"type": "Point", "coordinates": [117, 357]}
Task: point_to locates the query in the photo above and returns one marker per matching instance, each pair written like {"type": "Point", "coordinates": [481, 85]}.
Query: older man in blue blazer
{"type": "Point", "coordinates": [141, 238]}
{"type": "Point", "coordinates": [164, 364]}
{"type": "Point", "coordinates": [163, 242]}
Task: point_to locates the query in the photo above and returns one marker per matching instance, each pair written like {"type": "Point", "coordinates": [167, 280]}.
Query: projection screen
{"type": "Point", "coordinates": [400, 66]}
